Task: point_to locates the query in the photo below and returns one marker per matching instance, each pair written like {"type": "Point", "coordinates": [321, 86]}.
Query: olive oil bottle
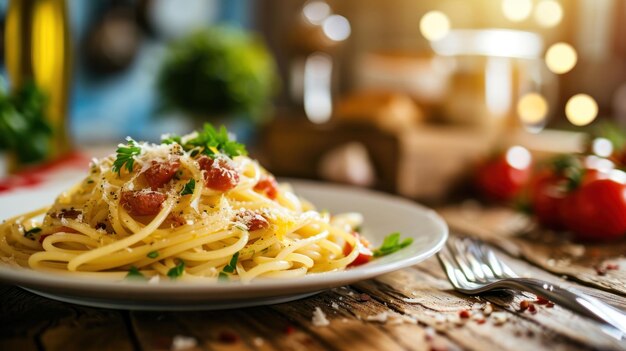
{"type": "Point", "coordinates": [38, 49]}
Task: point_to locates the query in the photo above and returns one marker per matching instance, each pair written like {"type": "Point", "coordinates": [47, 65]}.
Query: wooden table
{"type": "Point", "coordinates": [411, 309]}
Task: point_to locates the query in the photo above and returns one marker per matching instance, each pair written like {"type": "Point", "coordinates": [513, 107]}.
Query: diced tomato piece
{"type": "Point", "coordinates": [220, 174]}
{"type": "Point", "coordinates": [365, 254]}
{"type": "Point", "coordinates": [160, 173]}
{"type": "Point", "coordinates": [267, 185]}
{"type": "Point", "coordinates": [142, 202]}
{"type": "Point", "coordinates": [43, 236]}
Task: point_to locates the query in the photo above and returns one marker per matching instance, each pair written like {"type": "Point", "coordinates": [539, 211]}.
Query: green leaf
{"type": "Point", "coordinates": [126, 156]}
{"type": "Point", "coordinates": [232, 265]}
{"type": "Point", "coordinates": [222, 276]}
{"type": "Point", "coordinates": [24, 128]}
{"type": "Point", "coordinates": [134, 273]}
{"type": "Point", "coordinates": [31, 232]}
{"type": "Point", "coordinates": [210, 139]}
{"type": "Point", "coordinates": [177, 271]}
{"type": "Point", "coordinates": [189, 187]}
{"type": "Point", "coordinates": [171, 139]}
{"type": "Point", "coordinates": [392, 244]}
{"type": "Point", "coordinates": [153, 254]}
{"type": "Point", "coordinates": [234, 259]}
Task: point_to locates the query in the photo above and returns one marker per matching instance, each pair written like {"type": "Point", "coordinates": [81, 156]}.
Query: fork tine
{"type": "Point", "coordinates": [500, 269]}
{"type": "Point", "coordinates": [459, 257]}
{"type": "Point", "coordinates": [448, 267]}
{"type": "Point", "coordinates": [464, 246]}
{"type": "Point", "coordinates": [453, 271]}
{"type": "Point", "coordinates": [479, 262]}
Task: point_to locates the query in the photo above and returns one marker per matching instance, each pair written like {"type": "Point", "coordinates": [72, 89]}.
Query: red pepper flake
{"type": "Point", "coordinates": [227, 337]}
{"type": "Point", "coordinates": [600, 270]}
{"type": "Point", "coordinates": [364, 297]}
{"type": "Point", "coordinates": [541, 300]}
{"type": "Point", "coordinates": [550, 304]}
{"type": "Point", "coordinates": [290, 329]}
{"type": "Point", "coordinates": [532, 309]}
{"type": "Point", "coordinates": [523, 306]}
{"type": "Point", "coordinates": [612, 267]}
{"type": "Point", "coordinates": [481, 321]}
{"type": "Point", "coordinates": [464, 314]}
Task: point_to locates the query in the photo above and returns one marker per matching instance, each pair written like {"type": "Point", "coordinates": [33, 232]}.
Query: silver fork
{"type": "Point", "coordinates": [473, 268]}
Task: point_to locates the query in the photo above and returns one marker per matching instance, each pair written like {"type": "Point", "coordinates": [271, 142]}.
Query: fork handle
{"type": "Point", "coordinates": [571, 299]}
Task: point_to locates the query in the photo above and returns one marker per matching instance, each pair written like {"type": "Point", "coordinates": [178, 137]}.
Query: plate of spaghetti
{"type": "Point", "coordinates": [193, 222]}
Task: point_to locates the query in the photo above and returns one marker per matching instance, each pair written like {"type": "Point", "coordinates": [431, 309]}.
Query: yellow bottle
{"type": "Point", "coordinates": [37, 47]}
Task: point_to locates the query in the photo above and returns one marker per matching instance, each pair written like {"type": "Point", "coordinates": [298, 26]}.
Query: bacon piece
{"type": "Point", "coordinates": [160, 173]}
{"type": "Point", "coordinates": [252, 220]}
{"type": "Point", "coordinates": [220, 174]}
{"type": "Point", "coordinates": [267, 185]}
{"type": "Point", "coordinates": [67, 213]}
{"type": "Point", "coordinates": [142, 202]}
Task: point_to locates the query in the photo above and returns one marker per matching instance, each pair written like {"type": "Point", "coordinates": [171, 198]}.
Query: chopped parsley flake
{"type": "Point", "coordinates": [209, 141]}
{"type": "Point", "coordinates": [134, 273]}
{"type": "Point", "coordinates": [189, 187]}
{"type": "Point", "coordinates": [222, 276]}
{"type": "Point", "coordinates": [153, 254]}
{"type": "Point", "coordinates": [392, 244]}
{"type": "Point", "coordinates": [126, 156]}
{"type": "Point", "coordinates": [177, 270]}
{"type": "Point", "coordinates": [229, 268]}
{"type": "Point", "coordinates": [31, 232]}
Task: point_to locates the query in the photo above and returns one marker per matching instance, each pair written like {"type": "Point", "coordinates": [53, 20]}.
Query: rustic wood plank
{"type": "Point", "coordinates": [433, 302]}
{"type": "Point", "coordinates": [348, 311]}
{"type": "Point", "coordinates": [33, 322]}
{"type": "Point", "coordinates": [554, 252]}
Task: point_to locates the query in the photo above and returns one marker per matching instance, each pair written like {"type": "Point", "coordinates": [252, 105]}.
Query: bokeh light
{"type": "Point", "coordinates": [316, 11]}
{"type": "Point", "coordinates": [548, 13]}
{"type": "Point", "coordinates": [602, 147]}
{"type": "Point", "coordinates": [581, 109]}
{"type": "Point", "coordinates": [517, 10]}
{"type": "Point", "coordinates": [532, 108]}
{"type": "Point", "coordinates": [518, 157]}
{"type": "Point", "coordinates": [561, 58]}
{"type": "Point", "coordinates": [434, 25]}
{"type": "Point", "coordinates": [336, 27]}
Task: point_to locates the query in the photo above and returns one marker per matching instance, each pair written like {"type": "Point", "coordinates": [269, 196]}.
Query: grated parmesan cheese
{"type": "Point", "coordinates": [181, 342]}
{"type": "Point", "coordinates": [319, 318]}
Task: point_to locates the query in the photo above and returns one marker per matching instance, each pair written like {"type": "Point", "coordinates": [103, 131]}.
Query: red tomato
{"type": "Point", "coordinates": [220, 173]}
{"type": "Point", "coordinates": [597, 210]}
{"type": "Point", "coordinates": [546, 194]}
{"type": "Point", "coordinates": [499, 180]}
{"type": "Point", "coordinates": [267, 185]}
{"type": "Point", "coordinates": [365, 254]}
{"type": "Point", "coordinates": [160, 173]}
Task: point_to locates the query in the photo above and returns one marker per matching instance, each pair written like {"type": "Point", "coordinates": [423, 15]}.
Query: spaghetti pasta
{"type": "Point", "coordinates": [191, 208]}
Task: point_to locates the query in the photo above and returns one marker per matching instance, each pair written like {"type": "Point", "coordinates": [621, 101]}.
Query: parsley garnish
{"type": "Point", "coordinates": [208, 141]}
{"type": "Point", "coordinates": [126, 156]}
{"type": "Point", "coordinates": [177, 271]}
{"type": "Point", "coordinates": [222, 276]}
{"type": "Point", "coordinates": [229, 268]}
{"type": "Point", "coordinates": [134, 273]}
{"type": "Point", "coordinates": [392, 244]}
{"type": "Point", "coordinates": [31, 232]}
{"type": "Point", "coordinates": [189, 187]}
{"type": "Point", "coordinates": [153, 254]}
{"type": "Point", "coordinates": [171, 139]}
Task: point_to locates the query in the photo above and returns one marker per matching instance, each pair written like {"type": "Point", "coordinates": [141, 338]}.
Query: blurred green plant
{"type": "Point", "coordinates": [24, 129]}
{"type": "Point", "coordinates": [218, 72]}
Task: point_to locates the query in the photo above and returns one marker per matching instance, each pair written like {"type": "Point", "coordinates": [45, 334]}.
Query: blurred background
{"type": "Point", "coordinates": [401, 95]}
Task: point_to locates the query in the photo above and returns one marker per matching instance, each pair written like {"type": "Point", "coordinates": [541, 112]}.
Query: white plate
{"type": "Point", "coordinates": [383, 214]}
